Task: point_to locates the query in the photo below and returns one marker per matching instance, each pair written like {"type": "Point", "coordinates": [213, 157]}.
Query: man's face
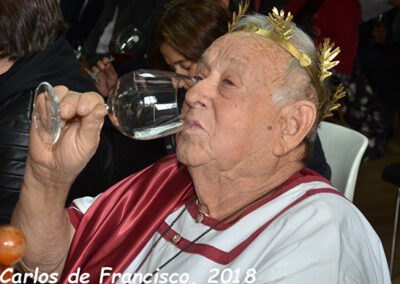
{"type": "Point", "coordinates": [230, 114]}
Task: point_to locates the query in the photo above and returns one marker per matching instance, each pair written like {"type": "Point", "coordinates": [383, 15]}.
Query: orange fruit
{"type": "Point", "coordinates": [12, 244]}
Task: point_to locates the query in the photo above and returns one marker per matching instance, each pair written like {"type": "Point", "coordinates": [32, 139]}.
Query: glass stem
{"type": "Point", "coordinates": [94, 76]}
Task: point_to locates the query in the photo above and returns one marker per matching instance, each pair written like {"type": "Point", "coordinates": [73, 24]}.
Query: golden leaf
{"type": "Point", "coordinates": [325, 56]}
{"type": "Point", "coordinates": [281, 25]}
{"type": "Point", "coordinates": [241, 11]}
{"type": "Point", "coordinates": [333, 105]}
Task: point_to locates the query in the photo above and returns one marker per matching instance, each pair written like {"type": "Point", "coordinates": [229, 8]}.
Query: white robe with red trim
{"type": "Point", "coordinates": [306, 232]}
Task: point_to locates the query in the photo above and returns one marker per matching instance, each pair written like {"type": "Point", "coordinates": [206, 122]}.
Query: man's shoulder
{"type": "Point", "coordinates": [312, 198]}
{"type": "Point", "coordinates": [307, 190]}
{"type": "Point", "coordinates": [320, 207]}
{"type": "Point", "coordinates": [314, 221]}
{"type": "Point", "coordinates": [164, 177]}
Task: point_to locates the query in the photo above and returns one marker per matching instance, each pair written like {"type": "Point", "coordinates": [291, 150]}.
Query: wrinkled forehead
{"type": "Point", "coordinates": [247, 51]}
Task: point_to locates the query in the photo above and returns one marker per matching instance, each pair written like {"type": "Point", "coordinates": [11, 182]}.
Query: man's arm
{"type": "Point", "coordinates": [49, 173]}
{"type": "Point", "coordinates": [41, 215]}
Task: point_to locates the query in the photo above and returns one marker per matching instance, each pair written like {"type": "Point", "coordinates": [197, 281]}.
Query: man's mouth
{"type": "Point", "coordinates": [192, 124]}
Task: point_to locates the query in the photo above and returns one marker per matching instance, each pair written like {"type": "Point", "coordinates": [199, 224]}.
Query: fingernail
{"type": "Point", "coordinates": [65, 109]}
{"type": "Point", "coordinates": [82, 109]}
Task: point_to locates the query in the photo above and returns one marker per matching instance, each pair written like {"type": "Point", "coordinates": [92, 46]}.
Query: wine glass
{"type": "Point", "coordinates": [125, 44]}
{"type": "Point", "coordinates": [144, 105]}
{"type": "Point", "coordinates": [46, 113]}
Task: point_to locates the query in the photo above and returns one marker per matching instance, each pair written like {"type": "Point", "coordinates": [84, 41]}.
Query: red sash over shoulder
{"type": "Point", "coordinates": [122, 220]}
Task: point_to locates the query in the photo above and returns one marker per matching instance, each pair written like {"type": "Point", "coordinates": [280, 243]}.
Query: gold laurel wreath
{"type": "Point", "coordinates": [283, 30]}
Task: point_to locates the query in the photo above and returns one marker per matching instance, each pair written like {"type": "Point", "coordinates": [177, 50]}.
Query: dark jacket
{"type": "Point", "coordinates": [81, 19]}
{"type": "Point", "coordinates": [56, 65]}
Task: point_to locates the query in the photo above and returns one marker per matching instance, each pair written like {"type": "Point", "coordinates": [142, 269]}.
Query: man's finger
{"type": "Point", "coordinates": [87, 102]}
{"type": "Point", "coordinates": [68, 105]}
{"type": "Point", "coordinates": [61, 91]}
{"type": "Point", "coordinates": [91, 125]}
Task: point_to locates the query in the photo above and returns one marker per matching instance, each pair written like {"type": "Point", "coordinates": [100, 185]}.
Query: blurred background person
{"type": "Point", "coordinates": [32, 49]}
{"type": "Point", "coordinates": [379, 56]}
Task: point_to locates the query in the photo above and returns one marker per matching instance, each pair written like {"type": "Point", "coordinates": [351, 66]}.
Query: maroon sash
{"type": "Point", "coordinates": [122, 220]}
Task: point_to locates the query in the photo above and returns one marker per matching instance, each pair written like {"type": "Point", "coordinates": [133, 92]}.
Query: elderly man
{"type": "Point", "coordinates": [238, 207]}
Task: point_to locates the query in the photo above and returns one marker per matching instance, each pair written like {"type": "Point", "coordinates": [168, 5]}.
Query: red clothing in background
{"type": "Point", "coordinates": [338, 20]}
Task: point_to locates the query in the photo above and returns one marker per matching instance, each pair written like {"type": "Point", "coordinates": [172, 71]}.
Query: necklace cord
{"type": "Point", "coordinates": [197, 238]}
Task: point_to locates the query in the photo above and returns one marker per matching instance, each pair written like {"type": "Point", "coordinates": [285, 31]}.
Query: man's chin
{"type": "Point", "coordinates": [190, 156]}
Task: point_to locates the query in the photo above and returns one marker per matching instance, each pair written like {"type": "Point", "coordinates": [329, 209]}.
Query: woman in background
{"type": "Point", "coordinates": [183, 31]}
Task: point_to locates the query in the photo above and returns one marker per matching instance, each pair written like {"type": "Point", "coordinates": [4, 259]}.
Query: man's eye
{"type": "Point", "coordinates": [198, 78]}
{"type": "Point", "coordinates": [228, 82]}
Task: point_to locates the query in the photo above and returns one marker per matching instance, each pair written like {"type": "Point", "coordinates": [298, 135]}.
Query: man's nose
{"type": "Point", "coordinates": [197, 96]}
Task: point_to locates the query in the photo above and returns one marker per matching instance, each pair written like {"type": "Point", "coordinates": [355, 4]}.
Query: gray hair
{"type": "Point", "coordinates": [297, 83]}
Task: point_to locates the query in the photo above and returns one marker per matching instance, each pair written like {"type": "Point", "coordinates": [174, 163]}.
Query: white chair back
{"type": "Point", "coordinates": [343, 148]}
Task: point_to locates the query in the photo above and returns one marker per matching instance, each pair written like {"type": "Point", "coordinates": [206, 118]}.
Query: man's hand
{"type": "Point", "coordinates": [82, 117]}
{"type": "Point", "coordinates": [49, 173]}
{"type": "Point", "coordinates": [107, 76]}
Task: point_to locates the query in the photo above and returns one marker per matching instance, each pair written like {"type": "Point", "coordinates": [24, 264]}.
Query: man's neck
{"type": "Point", "coordinates": [220, 194]}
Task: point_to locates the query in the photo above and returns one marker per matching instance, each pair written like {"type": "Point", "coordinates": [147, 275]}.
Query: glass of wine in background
{"type": "Point", "coordinates": [125, 44]}
{"type": "Point", "coordinates": [143, 105]}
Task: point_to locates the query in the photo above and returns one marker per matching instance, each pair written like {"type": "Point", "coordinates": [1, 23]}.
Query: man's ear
{"type": "Point", "coordinates": [295, 122]}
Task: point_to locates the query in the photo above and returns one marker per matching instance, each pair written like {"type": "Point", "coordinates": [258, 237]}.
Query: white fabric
{"type": "Point", "coordinates": [82, 204]}
{"type": "Point", "coordinates": [322, 239]}
{"type": "Point", "coordinates": [104, 40]}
